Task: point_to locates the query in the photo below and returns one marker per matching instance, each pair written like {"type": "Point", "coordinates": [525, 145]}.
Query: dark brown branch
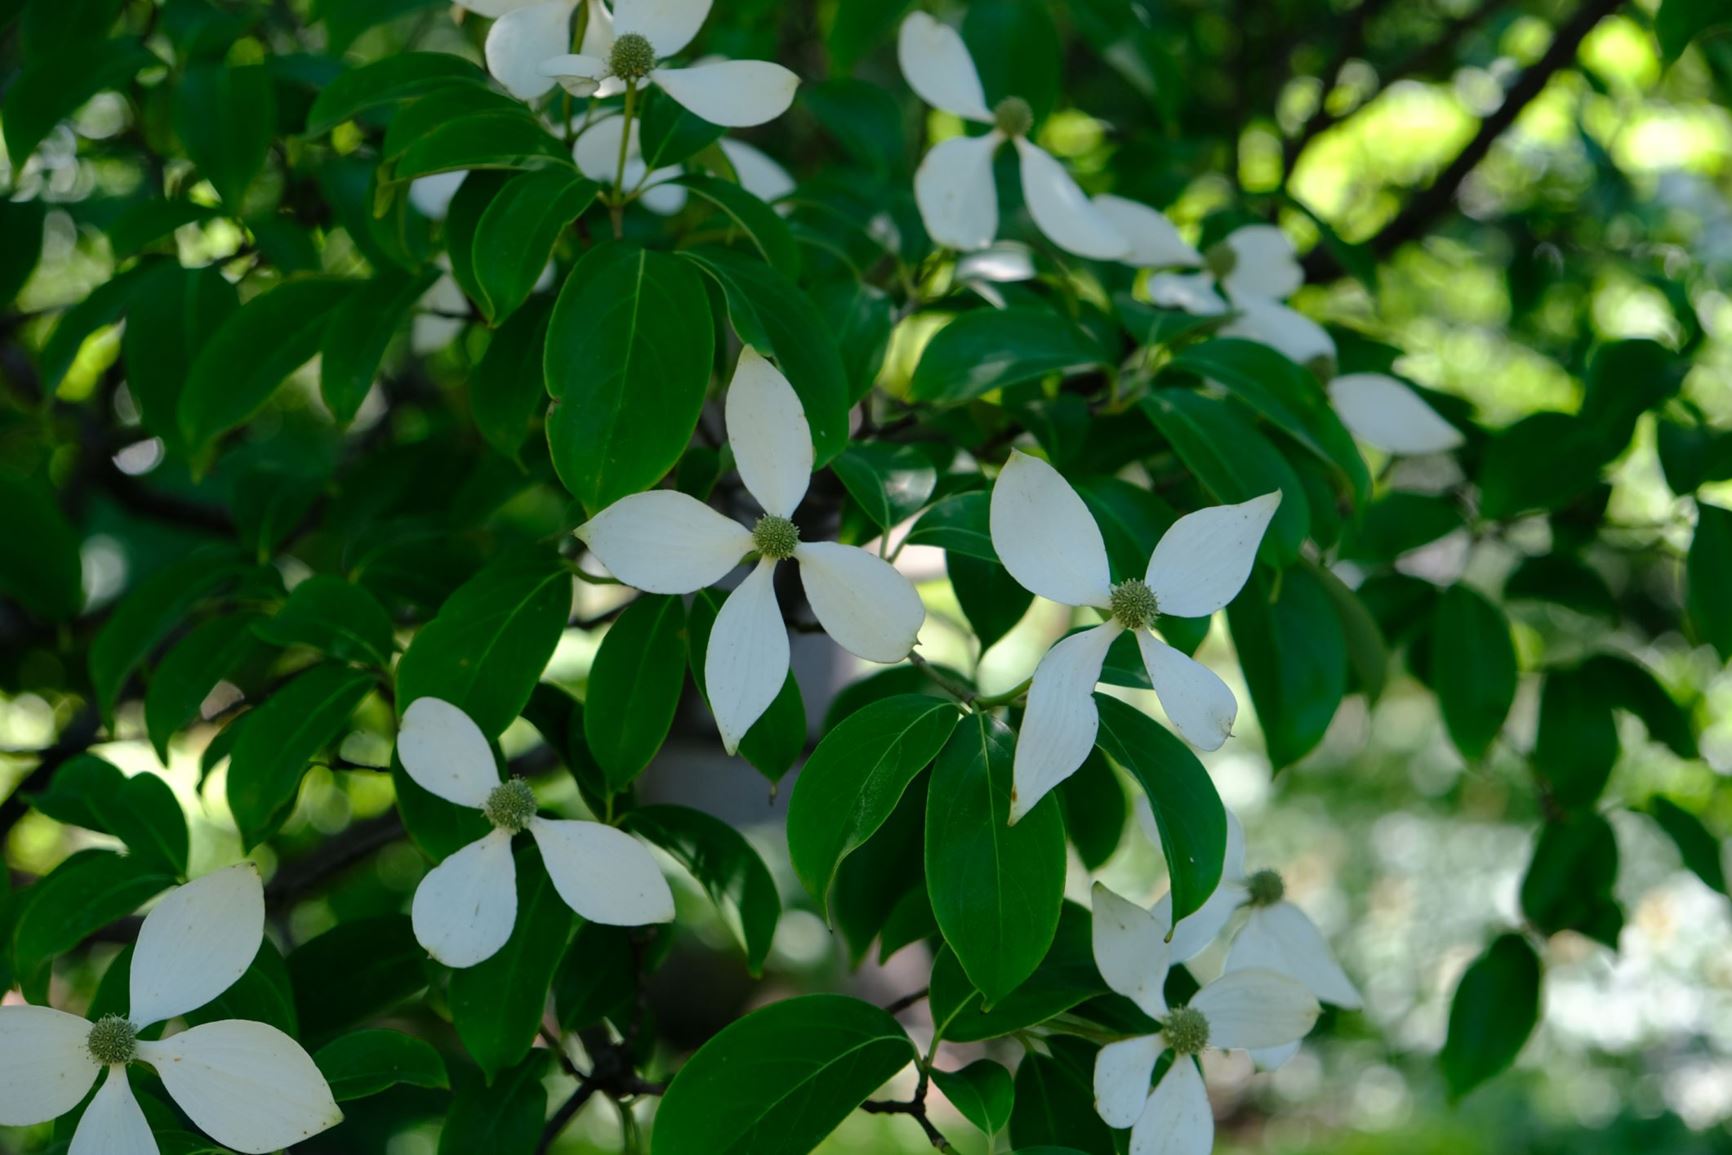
{"type": "Point", "coordinates": [1424, 208]}
{"type": "Point", "coordinates": [907, 1001]}
{"type": "Point", "coordinates": [915, 1109]}
{"type": "Point", "coordinates": [562, 1118]}
{"type": "Point", "coordinates": [73, 741]}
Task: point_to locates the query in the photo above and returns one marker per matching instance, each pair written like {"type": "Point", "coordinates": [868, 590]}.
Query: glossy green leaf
{"type": "Point", "coordinates": [1399, 521]}
{"type": "Point", "coordinates": [779, 1080]}
{"type": "Point", "coordinates": [395, 77]}
{"type": "Point", "coordinates": [777, 739]}
{"type": "Point", "coordinates": [670, 133]}
{"type": "Point", "coordinates": [188, 672]}
{"type": "Point", "coordinates": [725, 865]}
{"type": "Point", "coordinates": [991, 600]}
{"type": "Point", "coordinates": [860, 319]}
{"type": "Point", "coordinates": [759, 223]}
{"type": "Point", "coordinates": [1473, 667]}
{"type": "Point", "coordinates": [1055, 1101]}
{"type": "Point", "coordinates": [1697, 845]}
{"type": "Point", "coordinates": [890, 482]}
{"type": "Point", "coordinates": [282, 736]}
{"type": "Point", "coordinates": [225, 115]}
{"type": "Point", "coordinates": [501, 1118]}
{"type": "Point", "coordinates": [1492, 1014]}
{"type": "Point", "coordinates": [628, 364]}
{"type": "Point", "coordinates": [1065, 977]}
{"type": "Point", "coordinates": [53, 86]}
{"type": "Point", "coordinates": [1095, 810]}
{"type": "Point", "coordinates": [497, 1004]}
{"type": "Point", "coordinates": [356, 339]}
{"type": "Point", "coordinates": [1679, 22]}
{"type": "Point", "coordinates": [505, 390]}
{"type": "Point", "coordinates": [959, 524]}
{"type": "Point", "coordinates": [336, 617]}
{"type": "Point", "coordinates": [1708, 577]}
{"type": "Point", "coordinates": [996, 348]}
{"type": "Point", "coordinates": [41, 570]}
{"type": "Point", "coordinates": [1294, 654]}
{"type": "Point", "coordinates": [1569, 880]}
{"type": "Point", "coordinates": [356, 971]}
{"type": "Point", "coordinates": [21, 225]}
{"type": "Point", "coordinates": [488, 139]}
{"type": "Point", "coordinates": [82, 895]}
{"type": "Point", "coordinates": [1576, 745]}
{"type": "Point", "coordinates": [1188, 811]}
{"type": "Point", "coordinates": [982, 1091]}
{"type": "Point", "coordinates": [516, 233]}
{"type": "Point", "coordinates": [167, 327]}
{"type": "Point", "coordinates": [854, 780]}
{"type": "Point", "coordinates": [634, 687]}
{"type": "Point", "coordinates": [996, 888]}
{"type": "Point", "coordinates": [140, 810]}
{"type": "Point", "coordinates": [363, 1063]}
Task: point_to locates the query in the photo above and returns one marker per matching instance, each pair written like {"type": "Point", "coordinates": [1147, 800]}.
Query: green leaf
{"type": "Point", "coordinates": [1696, 844]}
{"type": "Point", "coordinates": [357, 336]}
{"type": "Point", "coordinates": [854, 779]}
{"type": "Point", "coordinates": [504, 1118]}
{"type": "Point", "coordinates": [262, 994]}
{"type": "Point", "coordinates": [1065, 977]}
{"type": "Point", "coordinates": [335, 617]}
{"type": "Point", "coordinates": [628, 364]}
{"type": "Point", "coordinates": [1017, 48]}
{"type": "Point", "coordinates": [21, 225]}
{"type": "Point", "coordinates": [1399, 521]}
{"type": "Point", "coordinates": [483, 140]}
{"type": "Point", "coordinates": [1367, 652]}
{"type": "Point", "coordinates": [1544, 461]}
{"type": "Point", "coordinates": [486, 648]}
{"type": "Point", "coordinates": [444, 106]}
{"type": "Point", "coordinates": [777, 739]}
{"type": "Point", "coordinates": [364, 1063]}
{"type": "Point", "coordinates": [1234, 462]}
{"type": "Point", "coordinates": [875, 881]}
{"type": "Point", "coordinates": [779, 1080]}
{"type": "Point", "coordinates": [1188, 812]}
{"type": "Point", "coordinates": [106, 304]}
{"type": "Point", "coordinates": [347, 19]}
{"type": "Point", "coordinates": [996, 888]}
{"type": "Point", "coordinates": [725, 865]}
{"type": "Point", "coordinates": [634, 687]}
{"type": "Point", "coordinates": [982, 1091]}
{"type": "Point", "coordinates": [958, 524]}
{"type": "Point", "coordinates": [670, 133]}
{"type": "Point", "coordinates": [141, 810]}
{"type": "Point", "coordinates": [1055, 1101]}
{"type": "Point", "coordinates": [1679, 22]}
{"type": "Point", "coordinates": [1290, 643]}
{"type": "Point", "coordinates": [149, 221]}
{"type": "Point", "coordinates": [41, 570]}
{"type": "Point", "coordinates": [1576, 745]}
{"type": "Point", "coordinates": [258, 346]}
{"type": "Point", "coordinates": [771, 313]}
{"type": "Point", "coordinates": [1568, 885]}
{"type": "Point", "coordinates": [437, 827]}
{"type": "Point", "coordinates": [505, 390]}
{"type": "Point", "coordinates": [271, 504]}
{"type": "Point", "coordinates": [890, 482]}
{"type": "Point", "coordinates": [517, 231]}
{"type": "Point", "coordinates": [1707, 578]}
{"type": "Point", "coordinates": [991, 600]}
{"type": "Point", "coordinates": [1473, 667]}
{"type": "Point", "coordinates": [147, 613]}
{"type": "Point", "coordinates": [225, 116]}
{"type": "Point", "coordinates": [858, 27]}
{"type": "Point", "coordinates": [398, 76]}
{"type": "Point", "coordinates": [1094, 810]}
{"type": "Point", "coordinates": [860, 318]}
{"type": "Point", "coordinates": [1493, 1012]}
{"type": "Point", "coordinates": [994, 348]}
{"type": "Point", "coordinates": [54, 85]}
{"type": "Point", "coordinates": [281, 737]}
{"type": "Point", "coordinates": [79, 897]}
{"type": "Point", "coordinates": [497, 1004]}
{"type": "Point", "coordinates": [166, 328]}
{"type": "Point", "coordinates": [757, 220]}
{"type": "Point", "coordinates": [1565, 580]}
{"type": "Point", "coordinates": [353, 972]}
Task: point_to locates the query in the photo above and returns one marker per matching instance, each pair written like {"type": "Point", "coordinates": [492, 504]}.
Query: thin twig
{"type": "Point", "coordinates": [907, 1001]}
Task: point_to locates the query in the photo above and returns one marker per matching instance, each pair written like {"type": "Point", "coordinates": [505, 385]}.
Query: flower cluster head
{"type": "Point", "coordinates": [466, 906]}
{"type": "Point", "coordinates": [1250, 1008]}
{"type": "Point", "coordinates": [954, 187]}
{"type": "Point", "coordinates": [245, 1084]}
{"type": "Point", "coordinates": [666, 542]}
{"type": "Point", "coordinates": [1047, 539]}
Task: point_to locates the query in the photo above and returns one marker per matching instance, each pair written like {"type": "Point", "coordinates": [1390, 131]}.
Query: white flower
{"type": "Point", "coordinates": [596, 153]}
{"type": "Point", "coordinates": [245, 1084]}
{"type": "Point", "coordinates": [527, 35]}
{"type": "Point", "coordinates": [665, 542]}
{"type": "Point", "coordinates": [1274, 934]}
{"type": "Point", "coordinates": [954, 186]}
{"type": "Point", "coordinates": [732, 93]}
{"type": "Point", "coordinates": [466, 906]}
{"type": "Point", "coordinates": [1046, 538]}
{"type": "Point", "coordinates": [1247, 1009]}
{"type": "Point", "coordinates": [1385, 414]}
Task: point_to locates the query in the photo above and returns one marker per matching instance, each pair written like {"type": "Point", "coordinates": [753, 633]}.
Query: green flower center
{"type": "Point", "coordinates": [511, 805]}
{"type": "Point", "coordinates": [1221, 260]}
{"type": "Point", "coordinates": [1013, 116]}
{"type": "Point", "coordinates": [1187, 1031]}
{"type": "Point", "coordinates": [1134, 604]}
{"type": "Point", "coordinates": [1265, 888]}
{"type": "Point", "coordinates": [775, 537]}
{"type": "Point", "coordinates": [632, 57]}
{"type": "Point", "coordinates": [113, 1040]}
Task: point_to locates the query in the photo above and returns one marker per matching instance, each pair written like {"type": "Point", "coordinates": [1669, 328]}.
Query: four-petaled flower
{"type": "Point", "coordinates": [732, 93]}
{"type": "Point", "coordinates": [666, 542]}
{"type": "Point", "coordinates": [954, 186]}
{"type": "Point", "coordinates": [247, 1085]}
{"type": "Point", "coordinates": [1045, 536]}
{"type": "Point", "coordinates": [466, 906]}
{"type": "Point", "coordinates": [1249, 1009]}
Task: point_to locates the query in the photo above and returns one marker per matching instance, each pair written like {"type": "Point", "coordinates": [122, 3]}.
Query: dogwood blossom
{"type": "Point", "coordinates": [246, 1084]}
{"type": "Point", "coordinates": [464, 909]}
{"type": "Point", "coordinates": [954, 186]}
{"type": "Point", "coordinates": [1247, 1009]}
{"type": "Point", "coordinates": [666, 542]}
{"type": "Point", "coordinates": [732, 93]}
{"type": "Point", "coordinates": [1248, 275]}
{"type": "Point", "coordinates": [596, 153]}
{"type": "Point", "coordinates": [527, 35]}
{"type": "Point", "coordinates": [1045, 536]}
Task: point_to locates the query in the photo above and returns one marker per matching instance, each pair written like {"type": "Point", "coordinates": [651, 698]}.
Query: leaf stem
{"type": "Point", "coordinates": [617, 208]}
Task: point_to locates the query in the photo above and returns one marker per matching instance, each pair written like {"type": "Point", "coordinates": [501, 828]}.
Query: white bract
{"type": "Point", "coordinates": [245, 1084]}
{"type": "Point", "coordinates": [732, 93]}
{"type": "Point", "coordinates": [527, 35]}
{"type": "Point", "coordinates": [666, 542]}
{"type": "Point", "coordinates": [1248, 1009]}
{"type": "Point", "coordinates": [466, 906]}
{"type": "Point", "coordinates": [1045, 536]}
{"type": "Point", "coordinates": [1249, 274]}
{"type": "Point", "coordinates": [596, 154]}
{"type": "Point", "coordinates": [954, 186]}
